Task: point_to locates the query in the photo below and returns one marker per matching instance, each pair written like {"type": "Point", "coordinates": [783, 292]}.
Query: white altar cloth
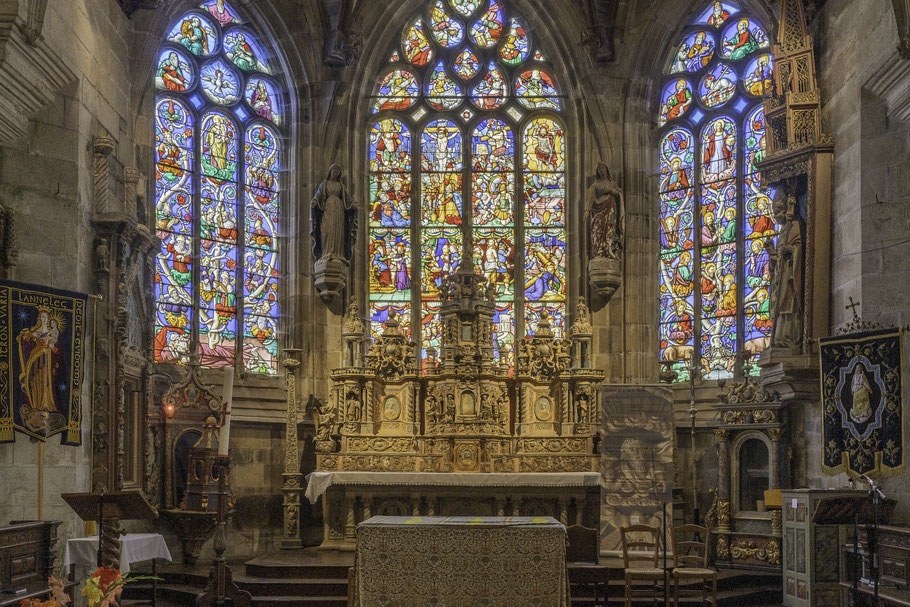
{"type": "Point", "coordinates": [134, 548]}
{"type": "Point", "coordinates": [319, 482]}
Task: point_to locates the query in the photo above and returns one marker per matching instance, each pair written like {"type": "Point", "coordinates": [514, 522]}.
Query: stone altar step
{"type": "Point", "coordinates": [317, 578]}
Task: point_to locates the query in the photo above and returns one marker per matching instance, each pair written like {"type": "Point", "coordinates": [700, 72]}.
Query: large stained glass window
{"type": "Point", "coordinates": [467, 157]}
{"type": "Point", "coordinates": [218, 116]}
{"type": "Point", "coordinates": [716, 224]}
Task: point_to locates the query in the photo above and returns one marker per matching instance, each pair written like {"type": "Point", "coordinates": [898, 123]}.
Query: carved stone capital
{"type": "Point", "coordinates": [722, 436]}
{"type": "Point", "coordinates": [102, 147]}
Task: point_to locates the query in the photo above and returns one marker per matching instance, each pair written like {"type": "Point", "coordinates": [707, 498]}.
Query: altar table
{"type": "Point", "coordinates": [134, 548]}
{"type": "Point", "coordinates": [319, 482]}
{"type": "Point", "coordinates": [456, 561]}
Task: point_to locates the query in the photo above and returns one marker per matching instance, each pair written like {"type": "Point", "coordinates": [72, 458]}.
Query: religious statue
{"type": "Point", "coordinates": [603, 211]}
{"type": "Point", "coordinates": [334, 231]}
{"type": "Point", "coordinates": [334, 227]}
{"type": "Point", "coordinates": [787, 263]}
{"type": "Point", "coordinates": [604, 215]}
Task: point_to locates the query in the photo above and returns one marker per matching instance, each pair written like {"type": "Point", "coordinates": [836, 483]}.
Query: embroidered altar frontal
{"type": "Point", "coordinates": [41, 346]}
{"type": "Point", "coordinates": [861, 396]}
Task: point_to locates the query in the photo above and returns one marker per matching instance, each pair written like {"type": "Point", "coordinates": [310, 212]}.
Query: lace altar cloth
{"type": "Point", "coordinates": [456, 561]}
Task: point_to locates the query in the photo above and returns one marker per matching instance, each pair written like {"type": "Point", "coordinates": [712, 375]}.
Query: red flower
{"type": "Point", "coordinates": [181, 199]}
{"type": "Point", "coordinates": [105, 576]}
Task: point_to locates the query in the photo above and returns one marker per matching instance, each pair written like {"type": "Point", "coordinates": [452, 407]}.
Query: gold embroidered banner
{"type": "Point", "coordinates": [41, 350]}
{"type": "Point", "coordinates": [861, 400]}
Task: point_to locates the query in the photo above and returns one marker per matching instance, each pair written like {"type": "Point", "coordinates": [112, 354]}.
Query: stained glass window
{"type": "Point", "coordinates": [467, 158]}
{"type": "Point", "coordinates": [716, 224]}
{"type": "Point", "coordinates": [218, 118]}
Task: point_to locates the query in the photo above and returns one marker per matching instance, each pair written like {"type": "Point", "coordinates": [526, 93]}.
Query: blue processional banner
{"type": "Point", "coordinates": [861, 400]}
{"type": "Point", "coordinates": [41, 351]}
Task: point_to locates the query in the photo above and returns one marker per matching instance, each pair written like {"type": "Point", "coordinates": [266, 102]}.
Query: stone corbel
{"type": "Point", "coordinates": [597, 36]}
{"type": "Point", "coordinates": [21, 24]}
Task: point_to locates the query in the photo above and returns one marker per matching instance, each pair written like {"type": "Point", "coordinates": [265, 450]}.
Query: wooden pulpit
{"type": "Point", "coordinates": [108, 508]}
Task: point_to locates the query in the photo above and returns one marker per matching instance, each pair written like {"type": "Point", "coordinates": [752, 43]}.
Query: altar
{"type": "Point", "coordinates": [454, 561]}
{"type": "Point", "coordinates": [459, 432]}
{"type": "Point", "coordinates": [348, 498]}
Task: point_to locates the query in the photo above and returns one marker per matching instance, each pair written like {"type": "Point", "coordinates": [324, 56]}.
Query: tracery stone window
{"type": "Point", "coordinates": [467, 157]}
{"type": "Point", "coordinates": [716, 224]}
{"type": "Point", "coordinates": [219, 115]}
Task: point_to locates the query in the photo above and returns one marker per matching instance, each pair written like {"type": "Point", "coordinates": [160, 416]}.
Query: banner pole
{"type": "Point", "coordinates": [40, 481]}
{"type": "Point", "coordinates": [91, 449]}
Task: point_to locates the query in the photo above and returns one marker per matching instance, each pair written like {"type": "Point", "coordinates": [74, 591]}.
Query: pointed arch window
{"type": "Point", "coordinates": [219, 115]}
{"type": "Point", "coordinates": [715, 213]}
{"type": "Point", "coordinates": [467, 156]}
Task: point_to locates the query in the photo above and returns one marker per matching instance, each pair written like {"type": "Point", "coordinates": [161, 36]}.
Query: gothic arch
{"type": "Point", "coordinates": [346, 123]}
{"type": "Point", "coordinates": [289, 74]}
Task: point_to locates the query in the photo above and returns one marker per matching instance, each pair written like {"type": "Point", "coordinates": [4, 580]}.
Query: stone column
{"type": "Point", "coordinates": [102, 148]}
{"type": "Point", "coordinates": [723, 481]}
{"type": "Point", "coordinates": [130, 180]}
{"type": "Point", "coordinates": [564, 510]}
{"type": "Point", "coordinates": [291, 475]}
{"type": "Point", "coordinates": [774, 479]}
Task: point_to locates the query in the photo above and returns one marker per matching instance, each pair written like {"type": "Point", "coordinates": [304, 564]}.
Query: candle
{"type": "Point", "coordinates": [227, 394]}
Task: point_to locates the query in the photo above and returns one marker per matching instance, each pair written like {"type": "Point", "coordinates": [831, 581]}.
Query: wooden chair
{"type": "Point", "coordinates": [640, 554]}
{"type": "Point", "coordinates": [582, 556]}
{"type": "Point", "coordinates": [690, 562]}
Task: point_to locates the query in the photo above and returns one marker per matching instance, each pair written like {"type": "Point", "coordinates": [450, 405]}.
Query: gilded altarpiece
{"type": "Point", "coordinates": [748, 534]}
{"type": "Point", "coordinates": [464, 412]}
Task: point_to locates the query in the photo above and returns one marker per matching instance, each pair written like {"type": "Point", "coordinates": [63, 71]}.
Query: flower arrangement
{"type": "Point", "coordinates": [101, 589]}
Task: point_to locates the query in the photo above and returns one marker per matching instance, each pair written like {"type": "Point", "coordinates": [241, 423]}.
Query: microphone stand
{"type": "Point", "coordinates": [877, 496]}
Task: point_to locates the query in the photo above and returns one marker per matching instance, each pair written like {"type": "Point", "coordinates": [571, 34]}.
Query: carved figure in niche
{"type": "Point", "coordinates": [323, 418]}
{"type": "Point", "coordinates": [787, 262]}
{"type": "Point", "coordinates": [450, 407]}
{"type": "Point", "coordinates": [334, 212]}
{"type": "Point", "coordinates": [434, 415]}
{"type": "Point", "coordinates": [352, 407]}
{"type": "Point", "coordinates": [604, 212]}
{"type": "Point", "coordinates": [581, 407]}
{"type": "Point", "coordinates": [101, 254]}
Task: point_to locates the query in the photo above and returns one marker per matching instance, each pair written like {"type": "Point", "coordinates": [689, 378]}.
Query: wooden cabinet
{"type": "Point", "coordinates": [27, 553]}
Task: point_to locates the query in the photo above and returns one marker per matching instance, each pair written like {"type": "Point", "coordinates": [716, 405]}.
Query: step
{"type": "Point", "coordinates": [297, 571]}
{"type": "Point", "coordinates": [304, 587]}
{"type": "Point", "coordinates": [298, 601]}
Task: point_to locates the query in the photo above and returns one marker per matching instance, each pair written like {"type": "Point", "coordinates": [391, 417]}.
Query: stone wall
{"type": "Point", "coordinates": [46, 179]}
{"type": "Point", "coordinates": [864, 82]}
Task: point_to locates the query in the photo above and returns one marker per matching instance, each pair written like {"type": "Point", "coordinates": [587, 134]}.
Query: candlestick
{"type": "Point", "coordinates": [227, 395]}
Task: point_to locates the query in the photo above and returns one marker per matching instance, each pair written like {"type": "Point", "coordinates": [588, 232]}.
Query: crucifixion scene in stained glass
{"type": "Point", "coordinates": [467, 158]}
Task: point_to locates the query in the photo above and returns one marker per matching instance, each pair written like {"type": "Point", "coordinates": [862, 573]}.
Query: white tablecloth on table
{"type": "Point", "coordinates": [319, 482]}
{"type": "Point", "coordinates": [134, 548]}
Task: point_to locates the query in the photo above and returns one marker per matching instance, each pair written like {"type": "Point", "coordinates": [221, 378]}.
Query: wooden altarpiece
{"type": "Point", "coordinates": [461, 412]}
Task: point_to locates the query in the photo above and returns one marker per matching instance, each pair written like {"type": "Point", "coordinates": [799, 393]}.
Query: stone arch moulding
{"type": "Point", "coordinates": [291, 74]}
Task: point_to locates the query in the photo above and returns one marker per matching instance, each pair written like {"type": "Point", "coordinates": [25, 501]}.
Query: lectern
{"type": "Point", "coordinates": [107, 508]}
